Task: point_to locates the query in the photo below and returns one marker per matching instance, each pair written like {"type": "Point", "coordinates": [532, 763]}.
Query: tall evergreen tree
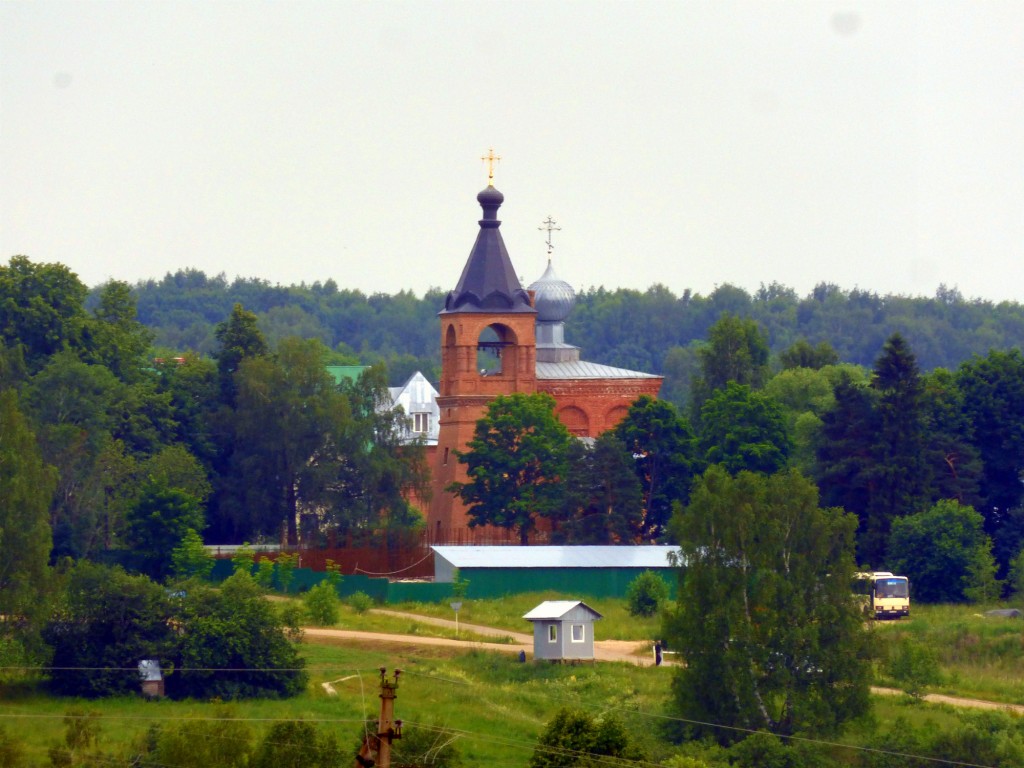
{"type": "Point", "coordinates": [845, 452]}
{"type": "Point", "coordinates": [604, 503]}
{"type": "Point", "coordinates": [901, 472]}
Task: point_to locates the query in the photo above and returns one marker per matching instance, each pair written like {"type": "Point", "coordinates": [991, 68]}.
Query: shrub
{"type": "Point", "coordinates": [914, 666]}
{"type": "Point", "coordinates": [265, 573]}
{"type": "Point", "coordinates": [105, 624]}
{"type": "Point", "coordinates": [426, 746]}
{"type": "Point", "coordinates": [360, 602]}
{"type": "Point", "coordinates": [298, 744]}
{"type": "Point", "coordinates": [646, 593]}
{"type": "Point", "coordinates": [190, 558]}
{"type": "Point", "coordinates": [12, 750]}
{"type": "Point", "coordinates": [198, 742]}
{"type": "Point", "coordinates": [235, 646]}
{"type": "Point", "coordinates": [321, 604]}
{"type": "Point", "coordinates": [286, 565]}
{"type": "Point", "coordinates": [945, 552]}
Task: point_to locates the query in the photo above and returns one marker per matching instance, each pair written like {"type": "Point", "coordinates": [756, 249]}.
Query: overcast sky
{"type": "Point", "coordinates": [877, 145]}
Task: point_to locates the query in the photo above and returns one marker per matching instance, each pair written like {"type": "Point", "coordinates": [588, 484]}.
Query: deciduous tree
{"type": "Point", "coordinates": [26, 489]}
{"type": "Point", "coordinates": [515, 463]}
{"type": "Point", "coordinates": [744, 430]}
{"type": "Point", "coordinates": [944, 551]}
{"type": "Point", "coordinates": [764, 619]}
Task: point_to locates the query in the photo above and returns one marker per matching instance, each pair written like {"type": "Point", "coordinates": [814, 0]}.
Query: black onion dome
{"type": "Point", "coordinates": [488, 282]}
{"type": "Point", "coordinates": [553, 297]}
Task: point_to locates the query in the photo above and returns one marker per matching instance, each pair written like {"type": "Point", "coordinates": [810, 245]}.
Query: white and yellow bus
{"type": "Point", "coordinates": [887, 596]}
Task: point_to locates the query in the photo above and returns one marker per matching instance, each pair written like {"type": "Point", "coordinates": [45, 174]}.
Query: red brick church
{"type": "Point", "coordinates": [498, 338]}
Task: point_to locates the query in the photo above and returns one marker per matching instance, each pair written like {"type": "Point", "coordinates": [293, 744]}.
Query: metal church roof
{"type": "Point", "coordinates": [581, 369]}
{"type": "Point", "coordinates": [651, 556]}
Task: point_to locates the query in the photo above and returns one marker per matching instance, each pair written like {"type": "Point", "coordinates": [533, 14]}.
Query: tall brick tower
{"type": "Point", "coordinates": [488, 348]}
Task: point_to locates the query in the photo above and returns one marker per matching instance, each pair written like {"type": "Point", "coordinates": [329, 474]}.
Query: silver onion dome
{"type": "Point", "coordinates": [553, 297]}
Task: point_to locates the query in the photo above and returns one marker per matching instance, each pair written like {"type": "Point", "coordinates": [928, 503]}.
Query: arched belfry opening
{"type": "Point", "coordinates": [496, 350]}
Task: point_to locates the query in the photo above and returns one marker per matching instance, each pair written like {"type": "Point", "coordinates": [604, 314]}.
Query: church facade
{"type": "Point", "coordinates": [498, 338]}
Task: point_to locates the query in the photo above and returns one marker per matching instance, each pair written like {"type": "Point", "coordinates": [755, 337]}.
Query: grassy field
{"type": "Point", "coordinates": [497, 706]}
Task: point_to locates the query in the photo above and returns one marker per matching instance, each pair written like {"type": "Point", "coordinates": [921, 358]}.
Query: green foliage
{"type": "Point", "coordinates": [743, 430]}
{"type": "Point", "coordinates": [427, 746]}
{"type": "Point", "coordinates": [662, 445]}
{"type": "Point", "coordinates": [333, 573]}
{"type": "Point", "coordinates": [158, 524]}
{"type": "Point", "coordinates": [114, 337]}
{"type": "Point", "coordinates": [993, 400]}
{"type": "Point", "coordinates": [12, 750]}
{"type": "Point", "coordinates": [81, 741]}
{"type": "Point", "coordinates": [322, 604]}
{"type": "Point", "coordinates": [460, 586]}
{"type": "Point", "coordinates": [945, 553]}
{"type": "Point", "coordinates": [737, 351]}
{"type": "Point", "coordinates": [1016, 579]}
{"type": "Point", "coordinates": [603, 497]}
{"type": "Point", "coordinates": [914, 666]}
{"type": "Point", "coordinates": [265, 573]}
{"type": "Point", "coordinates": [234, 646]}
{"type": "Point", "coordinates": [190, 559]}
{"type": "Point", "coordinates": [298, 744]}
{"type": "Point", "coordinates": [360, 602]}
{"type": "Point", "coordinates": [107, 622]}
{"type": "Point", "coordinates": [515, 463]}
{"type": "Point", "coordinates": [573, 737]}
{"type": "Point", "coordinates": [26, 489]}
{"type": "Point", "coordinates": [286, 563]}
{"type": "Point", "coordinates": [243, 559]}
{"type": "Point", "coordinates": [646, 594]}
{"type": "Point", "coordinates": [221, 740]}
{"type": "Point", "coordinates": [42, 309]}
{"type": "Point", "coordinates": [240, 338]}
{"type": "Point", "coordinates": [764, 620]}
{"type": "Point", "coordinates": [802, 355]}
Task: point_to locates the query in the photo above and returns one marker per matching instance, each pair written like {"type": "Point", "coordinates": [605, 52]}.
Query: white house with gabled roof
{"type": "Point", "coordinates": [563, 630]}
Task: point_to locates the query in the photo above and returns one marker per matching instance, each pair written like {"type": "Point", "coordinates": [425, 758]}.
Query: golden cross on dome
{"type": "Point", "coordinates": [490, 158]}
{"type": "Point", "coordinates": [549, 225]}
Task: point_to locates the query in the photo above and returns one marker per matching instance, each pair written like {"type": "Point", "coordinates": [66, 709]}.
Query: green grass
{"type": "Point", "coordinates": [507, 613]}
{"type": "Point", "coordinates": [979, 657]}
{"type": "Point", "coordinates": [499, 706]}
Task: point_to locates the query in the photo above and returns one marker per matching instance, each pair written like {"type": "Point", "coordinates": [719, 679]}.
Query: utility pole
{"type": "Point", "coordinates": [388, 729]}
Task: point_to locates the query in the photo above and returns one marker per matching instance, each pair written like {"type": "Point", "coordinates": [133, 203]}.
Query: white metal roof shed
{"type": "Point", "coordinates": [447, 558]}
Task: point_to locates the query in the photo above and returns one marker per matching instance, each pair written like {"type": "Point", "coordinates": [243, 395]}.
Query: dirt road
{"type": "Point", "coordinates": [638, 653]}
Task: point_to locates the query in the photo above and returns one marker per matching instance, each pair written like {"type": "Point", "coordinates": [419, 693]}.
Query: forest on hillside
{"type": "Point", "coordinates": [654, 330]}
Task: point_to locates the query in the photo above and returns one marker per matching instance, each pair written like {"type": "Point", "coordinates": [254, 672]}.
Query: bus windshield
{"type": "Point", "coordinates": [891, 587]}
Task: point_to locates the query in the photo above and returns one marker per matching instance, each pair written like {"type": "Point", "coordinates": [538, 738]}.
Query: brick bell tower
{"type": "Point", "coordinates": [488, 348]}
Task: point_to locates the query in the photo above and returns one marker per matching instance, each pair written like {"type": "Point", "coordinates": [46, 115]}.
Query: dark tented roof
{"type": "Point", "coordinates": [488, 282]}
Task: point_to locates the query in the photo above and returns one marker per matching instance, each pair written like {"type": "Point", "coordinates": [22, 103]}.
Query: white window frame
{"type": "Point", "coordinates": [421, 422]}
{"type": "Point", "coordinates": [552, 633]}
{"type": "Point", "coordinates": [582, 631]}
